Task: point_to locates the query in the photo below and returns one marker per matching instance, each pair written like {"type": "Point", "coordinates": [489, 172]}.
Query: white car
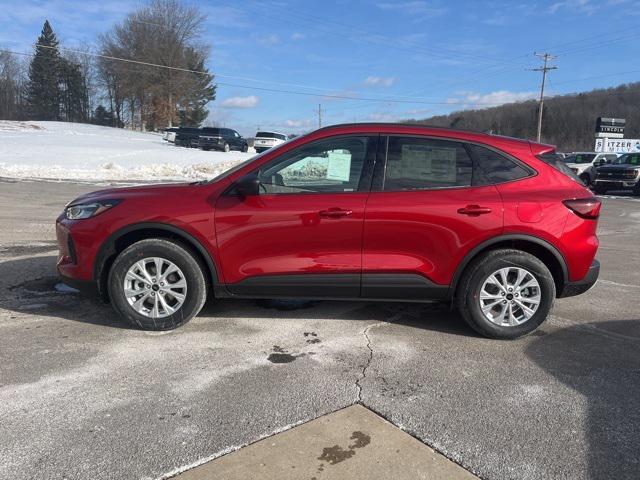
{"type": "Point", "coordinates": [170, 134]}
{"type": "Point", "coordinates": [266, 140]}
{"type": "Point", "coordinates": [583, 164]}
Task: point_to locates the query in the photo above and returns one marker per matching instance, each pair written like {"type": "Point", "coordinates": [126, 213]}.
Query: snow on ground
{"type": "Point", "coordinates": [82, 152]}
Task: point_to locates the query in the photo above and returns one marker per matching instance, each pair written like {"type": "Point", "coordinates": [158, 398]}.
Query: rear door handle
{"type": "Point", "coordinates": [335, 213]}
{"type": "Point", "coordinates": [474, 210]}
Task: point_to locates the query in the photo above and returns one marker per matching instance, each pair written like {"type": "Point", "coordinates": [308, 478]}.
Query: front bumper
{"type": "Point", "coordinates": [572, 289]}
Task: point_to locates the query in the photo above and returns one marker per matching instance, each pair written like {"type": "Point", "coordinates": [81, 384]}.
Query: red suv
{"type": "Point", "coordinates": [497, 226]}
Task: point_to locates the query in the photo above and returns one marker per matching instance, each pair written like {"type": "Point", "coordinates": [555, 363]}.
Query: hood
{"type": "Point", "coordinates": [618, 166]}
{"type": "Point", "coordinates": [128, 192]}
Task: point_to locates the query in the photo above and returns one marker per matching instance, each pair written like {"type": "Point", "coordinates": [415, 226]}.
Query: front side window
{"type": "Point", "coordinates": [628, 158]}
{"type": "Point", "coordinates": [422, 163]}
{"type": "Point", "coordinates": [332, 165]}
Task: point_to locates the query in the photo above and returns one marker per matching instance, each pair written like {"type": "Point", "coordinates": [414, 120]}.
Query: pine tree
{"type": "Point", "coordinates": [201, 90]}
{"type": "Point", "coordinates": [102, 116]}
{"type": "Point", "coordinates": [43, 88]}
{"type": "Point", "coordinates": [74, 99]}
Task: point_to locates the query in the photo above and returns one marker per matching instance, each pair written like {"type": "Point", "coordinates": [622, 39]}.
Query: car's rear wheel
{"type": "Point", "coordinates": [505, 293]}
{"type": "Point", "coordinates": [157, 284]}
{"type": "Point", "coordinates": [245, 148]}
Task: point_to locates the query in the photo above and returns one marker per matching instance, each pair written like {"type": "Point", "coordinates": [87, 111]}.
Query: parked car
{"type": "Point", "coordinates": [365, 211]}
{"type": "Point", "coordinates": [266, 140]}
{"type": "Point", "coordinates": [621, 174]}
{"type": "Point", "coordinates": [583, 163]}
{"type": "Point", "coordinates": [223, 139]}
{"type": "Point", "coordinates": [187, 137]}
{"type": "Point", "coordinates": [170, 134]}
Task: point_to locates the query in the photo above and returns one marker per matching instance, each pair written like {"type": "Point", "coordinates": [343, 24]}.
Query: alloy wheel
{"type": "Point", "coordinates": [510, 296]}
{"type": "Point", "coordinates": [155, 287]}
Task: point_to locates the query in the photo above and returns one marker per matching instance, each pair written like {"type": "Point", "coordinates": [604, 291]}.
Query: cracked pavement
{"type": "Point", "coordinates": [83, 396]}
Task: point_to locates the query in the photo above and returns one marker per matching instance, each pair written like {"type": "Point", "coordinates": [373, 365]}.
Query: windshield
{"type": "Point", "coordinates": [240, 165]}
{"type": "Point", "coordinates": [628, 158]}
{"type": "Point", "coordinates": [580, 158]}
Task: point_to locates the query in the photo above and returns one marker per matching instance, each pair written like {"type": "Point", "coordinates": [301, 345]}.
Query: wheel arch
{"type": "Point", "coordinates": [130, 234]}
{"type": "Point", "coordinates": [543, 250]}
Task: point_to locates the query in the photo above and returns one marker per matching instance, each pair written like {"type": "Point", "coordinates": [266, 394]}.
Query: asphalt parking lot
{"type": "Point", "coordinates": [83, 396]}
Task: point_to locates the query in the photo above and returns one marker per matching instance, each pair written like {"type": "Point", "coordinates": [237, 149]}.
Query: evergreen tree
{"type": "Point", "coordinates": [74, 98]}
{"type": "Point", "coordinates": [201, 90]}
{"type": "Point", "coordinates": [102, 116]}
{"type": "Point", "coordinates": [43, 88]}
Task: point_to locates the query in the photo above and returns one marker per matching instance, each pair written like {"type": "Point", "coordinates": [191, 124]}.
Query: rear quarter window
{"type": "Point", "coordinates": [557, 162]}
{"type": "Point", "coordinates": [495, 168]}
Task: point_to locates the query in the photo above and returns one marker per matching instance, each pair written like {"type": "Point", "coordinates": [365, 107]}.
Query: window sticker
{"type": "Point", "coordinates": [339, 165]}
{"type": "Point", "coordinates": [422, 162]}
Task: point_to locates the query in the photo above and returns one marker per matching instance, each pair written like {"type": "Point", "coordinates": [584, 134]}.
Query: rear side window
{"type": "Point", "coordinates": [278, 136]}
{"type": "Point", "coordinates": [421, 163]}
{"type": "Point", "coordinates": [557, 162]}
{"type": "Point", "coordinates": [495, 168]}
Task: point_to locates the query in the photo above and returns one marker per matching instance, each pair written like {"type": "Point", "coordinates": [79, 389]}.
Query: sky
{"type": "Point", "coordinates": [381, 60]}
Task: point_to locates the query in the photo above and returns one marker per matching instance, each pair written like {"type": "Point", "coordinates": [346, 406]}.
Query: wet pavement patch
{"type": "Point", "coordinates": [337, 454]}
{"type": "Point", "coordinates": [280, 355]}
{"type": "Point", "coordinates": [27, 249]}
{"type": "Point", "coordinates": [42, 286]}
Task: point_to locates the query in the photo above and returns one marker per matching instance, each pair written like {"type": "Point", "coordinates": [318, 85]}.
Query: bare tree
{"type": "Point", "coordinates": [165, 33]}
{"type": "Point", "coordinates": [12, 84]}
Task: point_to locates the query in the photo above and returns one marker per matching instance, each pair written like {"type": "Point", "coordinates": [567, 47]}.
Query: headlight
{"type": "Point", "coordinates": [80, 211]}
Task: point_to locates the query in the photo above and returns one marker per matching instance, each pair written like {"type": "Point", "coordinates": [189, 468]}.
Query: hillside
{"type": "Point", "coordinates": [77, 151]}
{"type": "Point", "coordinates": [568, 120]}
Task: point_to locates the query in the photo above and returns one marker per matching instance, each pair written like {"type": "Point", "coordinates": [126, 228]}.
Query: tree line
{"type": "Point", "coordinates": [568, 121]}
{"type": "Point", "coordinates": [117, 83]}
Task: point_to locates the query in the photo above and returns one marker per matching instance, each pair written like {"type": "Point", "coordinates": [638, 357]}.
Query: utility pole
{"type": "Point", "coordinates": [319, 115]}
{"type": "Point", "coordinates": [546, 58]}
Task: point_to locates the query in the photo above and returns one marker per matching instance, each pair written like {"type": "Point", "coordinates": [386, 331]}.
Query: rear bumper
{"type": "Point", "coordinates": [572, 289]}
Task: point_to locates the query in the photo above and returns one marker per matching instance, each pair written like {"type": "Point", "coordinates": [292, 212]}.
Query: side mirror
{"type": "Point", "coordinates": [248, 185]}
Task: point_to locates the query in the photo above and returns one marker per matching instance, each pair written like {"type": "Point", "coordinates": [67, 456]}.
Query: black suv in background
{"type": "Point", "coordinates": [621, 174]}
{"type": "Point", "coordinates": [223, 139]}
{"type": "Point", "coordinates": [187, 137]}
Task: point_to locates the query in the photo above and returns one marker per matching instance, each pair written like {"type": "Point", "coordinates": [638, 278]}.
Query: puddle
{"type": "Point", "coordinates": [281, 358]}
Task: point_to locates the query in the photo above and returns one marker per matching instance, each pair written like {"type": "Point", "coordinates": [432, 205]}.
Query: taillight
{"type": "Point", "coordinates": [588, 208]}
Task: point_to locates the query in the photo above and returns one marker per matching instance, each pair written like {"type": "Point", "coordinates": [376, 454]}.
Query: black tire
{"type": "Point", "coordinates": [174, 252]}
{"type": "Point", "coordinates": [245, 148]}
{"type": "Point", "coordinates": [226, 147]}
{"type": "Point", "coordinates": [586, 179]}
{"type": "Point", "coordinates": [468, 292]}
{"type": "Point", "coordinates": [599, 190]}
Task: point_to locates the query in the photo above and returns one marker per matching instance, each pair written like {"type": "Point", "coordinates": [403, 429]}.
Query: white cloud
{"type": "Point", "coordinates": [269, 40]}
{"type": "Point", "coordinates": [241, 102]}
{"type": "Point", "coordinates": [298, 36]}
{"type": "Point", "coordinates": [416, 7]}
{"type": "Point", "coordinates": [373, 81]}
{"type": "Point", "coordinates": [490, 99]}
{"type": "Point", "coordinates": [582, 6]}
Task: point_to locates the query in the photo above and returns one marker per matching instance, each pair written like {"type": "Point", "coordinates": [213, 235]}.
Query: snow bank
{"type": "Point", "coordinates": [76, 151]}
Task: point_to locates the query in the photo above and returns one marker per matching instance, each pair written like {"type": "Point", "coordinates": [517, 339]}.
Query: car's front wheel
{"type": "Point", "coordinates": [157, 284]}
{"type": "Point", "coordinates": [226, 147]}
{"type": "Point", "coordinates": [586, 179]}
{"type": "Point", "coordinates": [505, 293]}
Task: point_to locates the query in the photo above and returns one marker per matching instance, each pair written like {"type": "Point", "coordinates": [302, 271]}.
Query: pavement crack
{"type": "Point", "coordinates": [365, 367]}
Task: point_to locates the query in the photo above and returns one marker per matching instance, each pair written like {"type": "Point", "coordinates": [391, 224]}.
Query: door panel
{"type": "Point", "coordinates": [422, 231]}
{"type": "Point", "coordinates": [425, 215]}
{"type": "Point", "coordinates": [307, 220]}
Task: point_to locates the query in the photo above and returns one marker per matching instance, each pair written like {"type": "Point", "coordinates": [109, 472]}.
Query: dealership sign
{"type": "Point", "coordinates": [610, 127]}
{"type": "Point", "coordinates": [617, 145]}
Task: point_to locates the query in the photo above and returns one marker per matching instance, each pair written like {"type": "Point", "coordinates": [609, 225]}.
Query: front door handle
{"type": "Point", "coordinates": [474, 210]}
{"type": "Point", "coordinates": [335, 213]}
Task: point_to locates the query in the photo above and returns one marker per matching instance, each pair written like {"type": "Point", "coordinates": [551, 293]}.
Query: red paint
{"type": "Point", "coordinates": [428, 232]}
